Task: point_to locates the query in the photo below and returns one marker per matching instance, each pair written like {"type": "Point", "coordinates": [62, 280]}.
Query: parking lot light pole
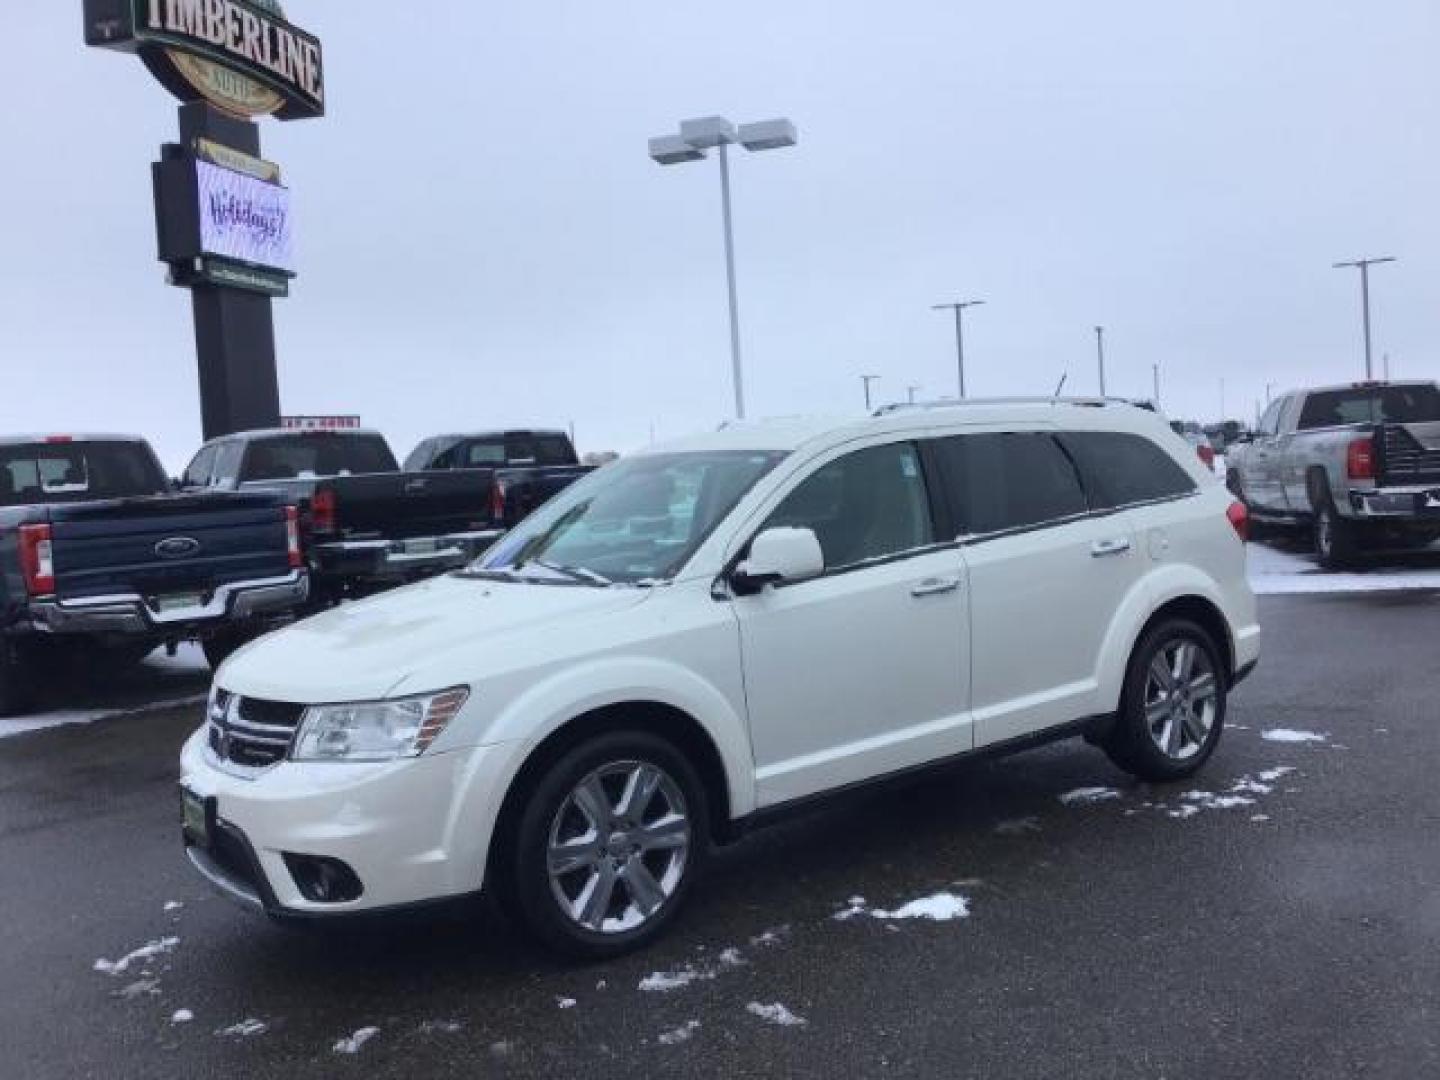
{"type": "Point", "coordinates": [1155, 376]}
{"type": "Point", "coordinates": [867, 380]}
{"type": "Point", "coordinates": [715, 132]}
{"type": "Point", "coordinates": [1363, 265]}
{"type": "Point", "coordinates": [910, 393]}
{"type": "Point", "coordinates": [959, 307]}
{"type": "Point", "coordinates": [1100, 353]}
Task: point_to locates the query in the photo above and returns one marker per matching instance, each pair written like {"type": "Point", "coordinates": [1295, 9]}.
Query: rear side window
{"type": "Point", "coordinates": [865, 505]}
{"type": "Point", "coordinates": [1009, 480]}
{"type": "Point", "coordinates": [287, 457]}
{"type": "Point", "coordinates": [1120, 468]}
{"type": "Point", "coordinates": [1371, 405]}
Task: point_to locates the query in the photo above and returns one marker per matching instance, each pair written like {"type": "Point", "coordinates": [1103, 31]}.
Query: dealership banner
{"type": "Point", "coordinates": [244, 218]}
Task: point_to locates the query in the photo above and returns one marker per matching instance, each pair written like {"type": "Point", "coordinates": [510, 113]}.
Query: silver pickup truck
{"type": "Point", "coordinates": [1358, 463]}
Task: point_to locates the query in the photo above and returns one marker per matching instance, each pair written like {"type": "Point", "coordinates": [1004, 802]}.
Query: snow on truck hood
{"type": "Point", "coordinates": [362, 650]}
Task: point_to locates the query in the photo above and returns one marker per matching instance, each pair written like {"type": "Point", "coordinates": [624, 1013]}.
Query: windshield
{"type": "Point", "coordinates": [1415, 404]}
{"type": "Point", "coordinates": [74, 471]}
{"type": "Point", "coordinates": [633, 522]}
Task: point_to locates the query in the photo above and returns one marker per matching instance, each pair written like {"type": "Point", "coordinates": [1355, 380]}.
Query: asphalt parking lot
{"type": "Point", "coordinates": [1281, 916]}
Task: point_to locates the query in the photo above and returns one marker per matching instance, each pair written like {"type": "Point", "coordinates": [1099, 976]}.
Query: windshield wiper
{"type": "Point", "coordinates": [574, 573]}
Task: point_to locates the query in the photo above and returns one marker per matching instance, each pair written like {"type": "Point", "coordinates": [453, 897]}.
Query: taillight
{"type": "Point", "coordinates": [37, 559]}
{"type": "Point", "coordinates": [497, 501]}
{"type": "Point", "coordinates": [1239, 519]}
{"type": "Point", "coordinates": [322, 511]}
{"type": "Point", "coordinates": [1207, 454]}
{"type": "Point", "coordinates": [292, 537]}
{"type": "Point", "coordinates": [1360, 459]}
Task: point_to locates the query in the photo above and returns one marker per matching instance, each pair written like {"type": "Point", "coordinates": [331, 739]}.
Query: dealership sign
{"type": "Point", "coordinates": [241, 56]}
{"type": "Point", "coordinates": [243, 218]}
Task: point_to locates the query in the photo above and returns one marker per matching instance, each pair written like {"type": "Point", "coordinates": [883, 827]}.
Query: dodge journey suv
{"type": "Point", "coordinates": [695, 639]}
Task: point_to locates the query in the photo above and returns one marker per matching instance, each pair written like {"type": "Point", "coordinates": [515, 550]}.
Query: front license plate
{"type": "Point", "coordinates": [195, 817]}
{"type": "Point", "coordinates": [177, 601]}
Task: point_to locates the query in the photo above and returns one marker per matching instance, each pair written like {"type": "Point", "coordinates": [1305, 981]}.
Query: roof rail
{"type": "Point", "coordinates": [953, 403]}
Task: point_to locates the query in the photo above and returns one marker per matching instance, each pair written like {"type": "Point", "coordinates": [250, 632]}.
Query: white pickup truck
{"type": "Point", "coordinates": [1359, 463]}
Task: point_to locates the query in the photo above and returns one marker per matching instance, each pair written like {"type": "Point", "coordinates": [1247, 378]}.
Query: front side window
{"type": "Point", "coordinates": [1010, 480]}
{"type": "Point", "coordinates": [636, 521]}
{"type": "Point", "coordinates": [197, 473]}
{"type": "Point", "coordinates": [1121, 469]}
{"type": "Point", "coordinates": [866, 505]}
{"type": "Point", "coordinates": [1270, 422]}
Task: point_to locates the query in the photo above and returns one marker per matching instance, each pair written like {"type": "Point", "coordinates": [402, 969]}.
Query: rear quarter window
{"type": "Point", "coordinates": [1121, 468]}
{"type": "Point", "coordinates": [1009, 480]}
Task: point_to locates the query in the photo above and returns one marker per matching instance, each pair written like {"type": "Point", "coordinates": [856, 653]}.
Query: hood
{"type": "Point", "coordinates": [362, 650]}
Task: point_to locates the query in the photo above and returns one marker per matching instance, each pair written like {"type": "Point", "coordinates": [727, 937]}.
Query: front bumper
{"type": "Point", "coordinates": [1398, 506]}
{"type": "Point", "coordinates": [412, 831]}
{"type": "Point", "coordinates": [401, 560]}
{"type": "Point", "coordinates": [130, 614]}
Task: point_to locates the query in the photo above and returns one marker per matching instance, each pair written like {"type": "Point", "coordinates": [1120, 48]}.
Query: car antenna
{"type": "Point", "coordinates": [1060, 385]}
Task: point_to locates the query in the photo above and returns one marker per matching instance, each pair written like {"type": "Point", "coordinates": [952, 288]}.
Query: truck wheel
{"type": "Point", "coordinates": [608, 842]}
{"type": "Point", "coordinates": [1337, 540]}
{"type": "Point", "coordinates": [16, 691]}
{"type": "Point", "coordinates": [1172, 708]}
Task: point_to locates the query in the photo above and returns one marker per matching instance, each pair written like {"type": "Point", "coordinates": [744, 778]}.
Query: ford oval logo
{"type": "Point", "coordinates": [178, 547]}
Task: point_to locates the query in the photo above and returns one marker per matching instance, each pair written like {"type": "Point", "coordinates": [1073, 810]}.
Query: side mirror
{"type": "Point", "coordinates": [776, 555]}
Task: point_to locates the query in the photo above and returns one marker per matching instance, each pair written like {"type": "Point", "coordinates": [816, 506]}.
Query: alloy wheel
{"type": "Point", "coordinates": [1181, 698]}
{"type": "Point", "coordinates": [618, 846]}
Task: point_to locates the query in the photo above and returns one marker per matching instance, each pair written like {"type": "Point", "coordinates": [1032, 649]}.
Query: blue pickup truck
{"type": "Point", "coordinates": [101, 561]}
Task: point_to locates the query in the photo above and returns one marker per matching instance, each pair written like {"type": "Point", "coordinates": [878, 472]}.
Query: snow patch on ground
{"type": "Point", "coordinates": [1271, 775]}
{"type": "Point", "coordinates": [1018, 826]}
{"type": "Point", "coordinates": [681, 1034]}
{"type": "Point", "coordinates": [775, 1014]}
{"type": "Point", "coordinates": [148, 951]}
{"type": "Point", "coordinates": [731, 957]}
{"type": "Point", "coordinates": [244, 1028]}
{"type": "Point", "coordinates": [138, 987]}
{"type": "Point", "coordinates": [773, 936]}
{"type": "Point", "coordinates": [938, 907]}
{"type": "Point", "coordinates": [23, 725]}
{"type": "Point", "coordinates": [173, 905]}
{"type": "Point", "coordinates": [440, 1027]}
{"type": "Point", "coordinates": [1272, 572]}
{"type": "Point", "coordinates": [665, 981]}
{"type": "Point", "coordinates": [1291, 735]}
{"type": "Point", "coordinates": [1084, 795]}
{"type": "Point", "coordinates": [181, 1016]}
{"type": "Point", "coordinates": [564, 1003]}
{"type": "Point", "coordinates": [351, 1044]}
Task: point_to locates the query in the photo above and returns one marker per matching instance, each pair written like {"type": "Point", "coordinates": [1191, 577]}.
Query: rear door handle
{"type": "Point", "coordinates": [935, 586]}
{"type": "Point", "coordinates": [1116, 546]}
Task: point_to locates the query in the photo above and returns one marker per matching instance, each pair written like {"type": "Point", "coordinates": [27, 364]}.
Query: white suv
{"type": "Point", "coordinates": [698, 637]}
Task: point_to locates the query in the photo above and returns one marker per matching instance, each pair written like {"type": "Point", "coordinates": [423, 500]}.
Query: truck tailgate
{"type": "Point", "coordinates": [398, 506]}
{"type": "Point", "coordinates": [1408, 453]}
{"type": "Point", "coordinates": [167, 545]}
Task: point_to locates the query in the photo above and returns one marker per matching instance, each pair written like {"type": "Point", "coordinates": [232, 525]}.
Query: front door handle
{"type": "Point", "coordinates": [1115, 546]}
{"type": "Point", "coordinates": [935, 586]}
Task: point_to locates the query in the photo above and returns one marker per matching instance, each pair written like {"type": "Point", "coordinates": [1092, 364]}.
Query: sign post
{"type": "Point", "coordinates": [222, 216]}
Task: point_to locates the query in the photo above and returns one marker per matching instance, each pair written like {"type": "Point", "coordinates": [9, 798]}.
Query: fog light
{"type": "Point", "coordinates": [323, 880]}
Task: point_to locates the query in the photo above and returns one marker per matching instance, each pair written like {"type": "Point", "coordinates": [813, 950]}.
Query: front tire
{"type": "Point", "coordinates": [1172, 709]}
{"type": "Point", "coordinates": [608, 842]}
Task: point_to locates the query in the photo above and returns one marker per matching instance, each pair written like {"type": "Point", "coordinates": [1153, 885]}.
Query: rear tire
{"type": "Point", "coordinates": [1172, 709]}
{"type": "Point", "coordinates": [593, 872]}
{"type": "Point", "coordinates": [1337, 539]}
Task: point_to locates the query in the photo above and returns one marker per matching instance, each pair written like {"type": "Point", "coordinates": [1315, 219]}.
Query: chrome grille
{"type": "Point", "coordinates": [252, 732]}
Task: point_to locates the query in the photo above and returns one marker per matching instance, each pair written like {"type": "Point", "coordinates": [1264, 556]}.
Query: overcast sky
{"type": "Point", "coordinates": [483, 241]}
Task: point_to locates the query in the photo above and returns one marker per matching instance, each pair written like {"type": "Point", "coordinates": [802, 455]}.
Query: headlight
{"type": "Point", "coordinates": [376, 730]}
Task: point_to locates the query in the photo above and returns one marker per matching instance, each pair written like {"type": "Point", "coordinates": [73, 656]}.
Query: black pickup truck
{"type": "Point", "coordinates": [365, 524]}
{"type": "Point", "coordinates": [98, 557]}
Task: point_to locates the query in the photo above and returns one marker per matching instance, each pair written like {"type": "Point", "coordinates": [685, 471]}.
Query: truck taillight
{"type": "Point", "coordinates": [497, 501]}
{"type": "Point", "coordinates": [322, 511]}
{"type": "Point", "coordinates": [1360, 459]}
{"type": "Point", "coordinates": [292, 537]}
{"type": "Point", "coordinates": [1239, 519]}
{"type": "Point", "coordinates": [37, 559]}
